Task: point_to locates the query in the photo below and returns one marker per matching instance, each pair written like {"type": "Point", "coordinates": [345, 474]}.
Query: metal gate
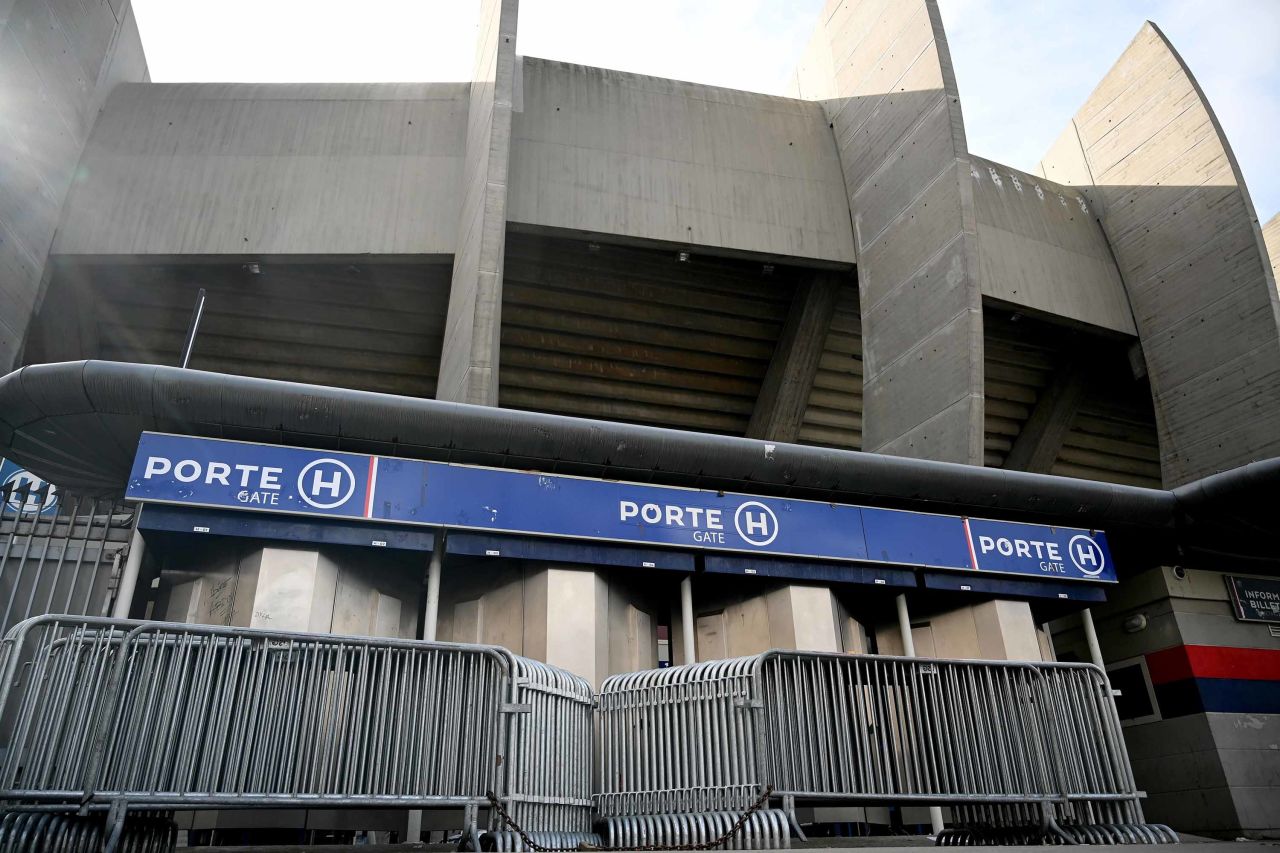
{"type": "Point", "coordinates": [59, 552]}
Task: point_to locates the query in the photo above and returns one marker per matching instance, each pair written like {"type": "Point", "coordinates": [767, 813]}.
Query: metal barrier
{"type": "Point", "coordinates": [166, 716]}
{"type": "Point", "coordinates": [105, 715]}
{"type": "Point", "coordinates": [1006, 744]}
{"type": "Point", "coordinates": [41, 831]}
{"type": "Point", "coordinates": [58, 551]}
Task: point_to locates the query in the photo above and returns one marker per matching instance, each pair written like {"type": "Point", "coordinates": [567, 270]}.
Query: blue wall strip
{"type": "Point", "coordinates": [1218, 695]}
{"type": "Point", "coordinates": [562, 551]}
{"type": "Point", "coordinates": [320, 531]}
{"type": "Point", "coordinates": [804, 570]}
{"type": "Point", "coordinates": [974, 582]}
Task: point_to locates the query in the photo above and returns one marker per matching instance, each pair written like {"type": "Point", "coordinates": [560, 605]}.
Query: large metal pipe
{"type": "Point", "coordinates": [137, 396]}
{"type": "Point", "coordinates": [909, 649]}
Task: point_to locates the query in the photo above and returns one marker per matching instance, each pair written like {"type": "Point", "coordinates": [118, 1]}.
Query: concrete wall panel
{"type": "Point", "coordinates": [617, 153]}
{"type": "Point", "coordinates": [271, 169]}
{"type": "Point", "coordinates": [1271, 236]}
{"type": "Point", "coordinates": [58, 62]}
{"type": "Point", "coordinates": [1161, 174]}
{"type": "Point", "coordinates": [896, 115]}
{"type": "Point", "coordinates": [1040, 247]}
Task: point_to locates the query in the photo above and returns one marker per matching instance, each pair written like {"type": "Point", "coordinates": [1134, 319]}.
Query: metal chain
{"type": "Point", "coordinates": [705, 845]}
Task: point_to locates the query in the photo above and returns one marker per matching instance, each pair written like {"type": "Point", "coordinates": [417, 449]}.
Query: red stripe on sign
{"type": "Point", "coordinates": [973, 558]}
{"type": "Point", "coordinates": [1183, 662]}
{"type": "Point", "coordinates": [370, 486]}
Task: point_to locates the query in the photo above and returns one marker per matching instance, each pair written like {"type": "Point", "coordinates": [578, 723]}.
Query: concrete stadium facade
{"type": "Point", "coordinates": [833, 269]}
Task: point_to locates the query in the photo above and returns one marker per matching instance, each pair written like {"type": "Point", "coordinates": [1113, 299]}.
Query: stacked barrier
{"type": "Point", "coordinates": [100, 712]}
{"type": "Point", "coordinates": [1006, 744]}
{"type": "Point", "coordinates": [101, 715]}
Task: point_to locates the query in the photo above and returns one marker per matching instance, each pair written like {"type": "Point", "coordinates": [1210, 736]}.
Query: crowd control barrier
{"type": "Point", "coordinates": [104, 714]}
{"type": "Point", "coordinates": [1015, 749]}
{"type": "Point", "coordinates": [108, 726]}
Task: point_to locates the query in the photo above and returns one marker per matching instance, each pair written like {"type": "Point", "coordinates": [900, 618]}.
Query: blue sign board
{"type": "Point", "coordinates": [238, 475]}
{"type": "Point", "coordinates": [25, 493]}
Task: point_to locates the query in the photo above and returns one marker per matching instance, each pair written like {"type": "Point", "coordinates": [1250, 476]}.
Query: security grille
{"type": "Point", "coordinates": [59, 553]}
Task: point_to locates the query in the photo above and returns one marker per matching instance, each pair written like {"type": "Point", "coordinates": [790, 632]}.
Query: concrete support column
{"type": "Point", "coordinates": [915, 225]}
{"type": "Point", "coordinates": [909, 647]}
{"type": "Point", "coordinates": [473, 328]}
{"type": "Point", "coordinates": [784, 394]}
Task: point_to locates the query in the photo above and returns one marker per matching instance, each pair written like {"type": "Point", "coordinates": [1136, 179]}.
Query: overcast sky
{"type": "Point", "coordinates": [1023, 67]}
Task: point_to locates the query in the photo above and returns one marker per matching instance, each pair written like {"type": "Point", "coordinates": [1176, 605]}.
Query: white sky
{"type": "Point", "coordinates": [1023, 67]}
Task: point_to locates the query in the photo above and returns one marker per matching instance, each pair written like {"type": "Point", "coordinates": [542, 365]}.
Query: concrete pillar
{"type": "Point", "coordinates": [991, 630]}
{"type": "Point", "coordinates": [788, 616]}
{"type": "Point", "coordinates": [472, 335]}
{"type": "Point", "coordinates": [293, 589]}
{"type": "Point", "coordinates": [592, 622]}
{"type": "Point", "coordinates": [915, 225]}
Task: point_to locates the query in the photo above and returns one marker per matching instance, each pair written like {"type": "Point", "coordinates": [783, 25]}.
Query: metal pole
{"type": "Point", "coordinates": [433, 589]}
{"type": "Point", "coordinates": [413, 821]}
{"type": "Point", "coordinates": [686, 618]}
{"type": "Point", "coordinates": [904, 626]}
{"type": "Point", "coordinates": [196, 313]}
{"type": "Point", "coordinates": [129, 579]}
{"type": "Point", "coordinates": [909, 649]}
{"type": "Point", "coordinates": [1091, 637]}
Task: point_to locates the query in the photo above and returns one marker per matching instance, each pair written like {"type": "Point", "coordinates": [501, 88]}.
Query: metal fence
{"type": "Point", "coordinates": [1004, 743]}
{"type": "Point", "coordinates": [167, 716]}
{"type": "Point", "coordinates": [58, 552]}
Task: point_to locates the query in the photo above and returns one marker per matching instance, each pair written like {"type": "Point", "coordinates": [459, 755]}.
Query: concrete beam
{"type": "Point", "coordinates": [469, 360]}
{"type": "Point", "coordinates": [784, 394]}
{"type": "Point", "coordinates": [1041, 438]}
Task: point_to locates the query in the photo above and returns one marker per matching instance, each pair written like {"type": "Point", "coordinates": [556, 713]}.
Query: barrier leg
{"type": "Point", "coordinates": [115, 825]}
{"type": "Point", "coordinates": [789, 806]}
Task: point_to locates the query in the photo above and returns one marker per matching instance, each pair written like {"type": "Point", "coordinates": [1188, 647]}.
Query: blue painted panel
{"type": "Point", "coordinates": [802, 570]}
{"type": "Point", "coordinates": [916, 538]}
{"type": "Point", "coordinates": [1055, 553]}
{"type": "Point", "coordinates": [561, 551]}
{"type": "Point", "coordinates": [321, 531]}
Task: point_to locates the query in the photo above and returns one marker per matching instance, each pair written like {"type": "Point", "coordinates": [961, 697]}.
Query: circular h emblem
{"type": "Point", "coordinates": [756, 523]}
{"type": "Point", "coordinates": [326, 483]}
{"type": "Point", "coordinates": [1087, 555]}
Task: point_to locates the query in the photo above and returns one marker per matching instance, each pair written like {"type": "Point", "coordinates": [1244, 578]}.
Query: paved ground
{"type": "Point", "coordinates": [862, 845]}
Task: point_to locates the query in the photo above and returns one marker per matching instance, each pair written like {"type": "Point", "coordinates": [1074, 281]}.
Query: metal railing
{"type": "Point", "coordinates": [99, 712]}
{"type": "Point", "coordinates": [58, 552]}
{"type": "Point", "coordinates": [1003, 743]}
